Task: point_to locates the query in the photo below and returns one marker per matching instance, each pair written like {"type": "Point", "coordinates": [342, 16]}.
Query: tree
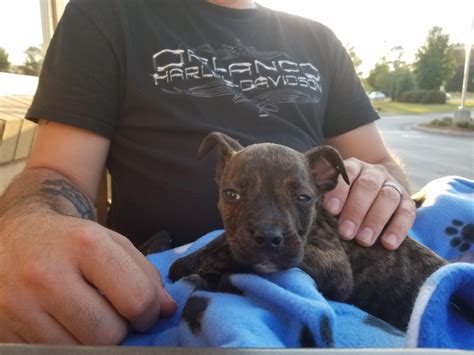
{"type": "Point", "coordinates": [459, 52]}
{"type": "Point", "coordinates": [455, 84]}
{"type": "Point", "coordinates": [435, 63]}
{"type": "Point", "coordinates": [4, 61]}
{"type": "Point", "coordinates": [33, 61]}
{"type": "Point", "coordinates": [395, 58]}
{"type": "Point", "coordinates": [392, 75]}
{"type": "Point", "coordinates": [379, 77]}
{"type": "Point", "coordinates": [401, 80]}
{"type": "Point", "coordinates": [354, 57]}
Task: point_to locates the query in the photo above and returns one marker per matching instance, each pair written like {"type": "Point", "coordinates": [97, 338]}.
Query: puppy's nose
{"type": "Point", "coordinates": [268, 237]}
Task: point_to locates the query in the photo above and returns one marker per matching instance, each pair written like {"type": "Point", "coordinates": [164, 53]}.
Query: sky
{"type": "Point", "coordinates": [372, 27]}
{"type": "Point", "coordinates": [20, 27]}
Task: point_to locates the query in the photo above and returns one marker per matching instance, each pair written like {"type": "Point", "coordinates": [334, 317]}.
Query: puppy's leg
{"type": "Point", "coordinates": [210, 262]}
{"type": "Point", "coordinates": [386, 283]}
{"type": "Point", "coordinates": [325, 259]}
{"type": "Point", "coordinates": [327, 263]}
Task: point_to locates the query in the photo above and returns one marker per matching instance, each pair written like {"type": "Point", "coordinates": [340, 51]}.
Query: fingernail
{"type": "Point", "coordinates": [346, 229]}
{"type": "Point", "coordinates": [333, 205]}
{"type": "Point", "coordinates": [168, 296]}
{"type": "Point", "coordinates": [167, 308]}
{"type": "Point", "coordinates": [366, 235]}
{"type": "Point", "coordinates": [391, 240]}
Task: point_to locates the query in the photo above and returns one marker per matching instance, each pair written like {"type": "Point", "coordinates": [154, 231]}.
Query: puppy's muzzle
{"type": "Point", "coordinates": [267, 237]}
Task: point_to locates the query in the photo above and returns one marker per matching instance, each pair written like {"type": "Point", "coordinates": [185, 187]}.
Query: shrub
{"type": "Point", "coordinates": [434, 97]}
{"type": "Point", "coordinates": [411, 96]}
{"type": "Point", "coordinates": [402, 97]}
{"type": "Point", "coordinates": [439, 123]}
{"type": "Point", "coordinates": [448, 120]}
{"type": "Point", "coordinates": [466, 124]}
{"type": "Point", "coordinates": [402, 80]}
{"type": "Point", "coordinates": [423, 97]}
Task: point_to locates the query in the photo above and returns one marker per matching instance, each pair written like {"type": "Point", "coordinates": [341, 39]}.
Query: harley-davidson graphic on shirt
{"type": "Point", "coordinates": [265, 78]}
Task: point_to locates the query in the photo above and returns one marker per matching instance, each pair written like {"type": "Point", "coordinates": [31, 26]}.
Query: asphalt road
{"type": "Point", "coordinates": [427, 156]}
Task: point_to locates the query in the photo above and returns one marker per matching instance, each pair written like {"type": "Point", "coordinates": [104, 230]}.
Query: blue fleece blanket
{"type": "Point", "coordinates": [284, 309]}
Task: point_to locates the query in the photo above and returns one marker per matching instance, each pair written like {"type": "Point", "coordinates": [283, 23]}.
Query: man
{"type": "Point", "coordinates": [137, 85]}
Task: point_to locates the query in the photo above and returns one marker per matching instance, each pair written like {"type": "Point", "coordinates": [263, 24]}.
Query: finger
{"type": "Point", "coordinates": [89, 316]}
{"type": "Point", "coordinates": [31, 324]}
{"type": "Point", "coordinates": [76, 305]}
{"type": "Point", "coordinates": [40, 328]}
{"type": "Point", "coordinates": [400, 224]}
{"type": "Point", "coordinates": [9, 337]}
{"type": "Point", "coordinates": [363, 193]}
{"type": "Point", "coordinates": [382, 209]}
{"type": "Point", "coordinates": [334, 200]}
{"type": "Point", "coordinates": [121, 279]}
{"type": "Point", "coordinates": [22, 318]}
{"type": "Point", "coordinates": [168, 305]}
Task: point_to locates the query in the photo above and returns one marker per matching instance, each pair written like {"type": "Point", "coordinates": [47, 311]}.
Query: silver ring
{"type": "Point", "coordinates": [394, 186]}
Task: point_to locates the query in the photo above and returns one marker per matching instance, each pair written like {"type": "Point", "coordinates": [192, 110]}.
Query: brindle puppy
{"type": "Point", "coordinates": [271, 203]}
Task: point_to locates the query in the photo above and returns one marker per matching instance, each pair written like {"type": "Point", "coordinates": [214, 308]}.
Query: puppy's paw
{"type": "Point", "coordinates": [338, 291]}
{"type": "Point", "coordinates": [180, 268]}
{"type": "Point", "coordinates": [226, 285]}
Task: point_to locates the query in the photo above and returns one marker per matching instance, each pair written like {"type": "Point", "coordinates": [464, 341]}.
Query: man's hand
{"type": "Point", "coordinates": [369, 205]}
{"type": "Point", "coordinates": [66, 280]}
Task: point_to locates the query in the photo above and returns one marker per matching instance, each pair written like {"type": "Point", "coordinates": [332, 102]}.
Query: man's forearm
{"type": "Point", "coordinates": [39, 189]}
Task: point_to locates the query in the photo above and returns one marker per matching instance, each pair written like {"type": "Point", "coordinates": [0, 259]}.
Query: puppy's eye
{"type": "Point", "coordinates": [303, 198]}
{"type": "Point", "coordinates": [231, 195]}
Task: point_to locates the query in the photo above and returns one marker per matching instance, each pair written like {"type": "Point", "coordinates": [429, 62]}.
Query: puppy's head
{"type": "Point", "coordinates": [267, 198]}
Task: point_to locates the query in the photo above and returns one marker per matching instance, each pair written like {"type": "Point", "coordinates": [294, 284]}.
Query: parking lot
{"type": "Point", "coordinates": [427, 156]}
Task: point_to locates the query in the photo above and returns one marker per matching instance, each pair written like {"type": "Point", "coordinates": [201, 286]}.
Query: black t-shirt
{"type": "Point", "coordinates": [156, 76]}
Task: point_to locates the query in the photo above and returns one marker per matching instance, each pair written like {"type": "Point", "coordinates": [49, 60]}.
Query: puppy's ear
{"type": "Point", "coordinates": [227, 147]}
{"type": "Point", "coordinates": [326, 164]}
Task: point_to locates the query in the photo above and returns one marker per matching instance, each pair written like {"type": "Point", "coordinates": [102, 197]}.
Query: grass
{"type": "Point", "coordinates": [402, 108]}
{"type": "Point", "coordinates": [446, 123]}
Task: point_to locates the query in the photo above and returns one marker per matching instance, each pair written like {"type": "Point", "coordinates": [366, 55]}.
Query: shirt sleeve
{"type": "Point", "coordinates": [348, 105]}
{"type": "Point", "coordinates": [79, 81]}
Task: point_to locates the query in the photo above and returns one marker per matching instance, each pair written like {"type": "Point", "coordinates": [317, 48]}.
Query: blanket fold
{"type": "Point", "coordinates": [443, 316]}
{"type": "Point", "coordinates": [285, 309]}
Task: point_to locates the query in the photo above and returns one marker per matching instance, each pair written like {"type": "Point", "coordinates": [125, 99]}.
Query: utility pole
{"type": "Point", "coordinates": [463, 114]}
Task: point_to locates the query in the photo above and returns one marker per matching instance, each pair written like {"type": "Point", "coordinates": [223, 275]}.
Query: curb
{"type": "Point", "coordinates": [441, 131]}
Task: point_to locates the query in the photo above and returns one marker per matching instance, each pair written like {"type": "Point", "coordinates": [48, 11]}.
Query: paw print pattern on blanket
{"type": "Point", "coordinates": [462, 234]}
{"type": "Point", "coordinates": [193, 313]}
{"type": "Point", "coordinates": [307, 338]}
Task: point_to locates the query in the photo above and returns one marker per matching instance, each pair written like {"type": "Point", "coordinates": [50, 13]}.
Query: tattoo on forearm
{"type": "Point", "coordinates": [72, 194]}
